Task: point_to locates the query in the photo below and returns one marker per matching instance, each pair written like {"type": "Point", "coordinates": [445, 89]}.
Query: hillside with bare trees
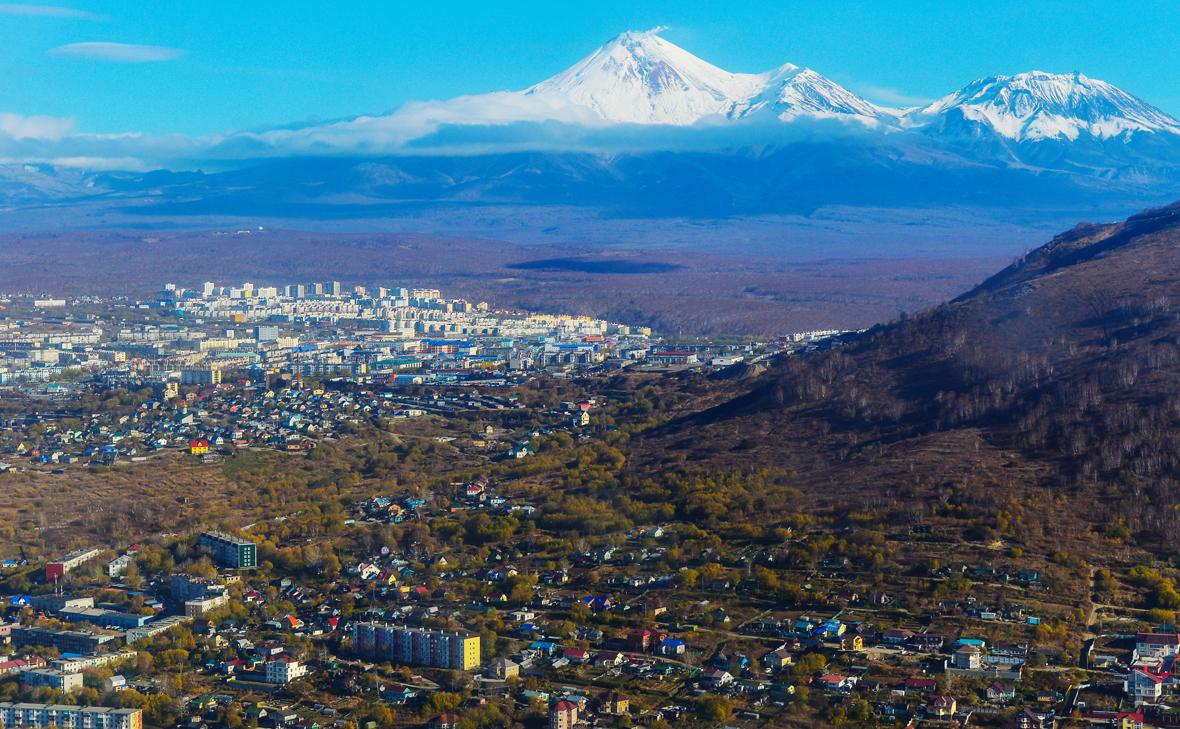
{"type": "Point", "coordinates": [1060, 374]}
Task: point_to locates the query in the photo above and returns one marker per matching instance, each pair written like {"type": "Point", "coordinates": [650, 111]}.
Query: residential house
{"type": "Point", "coordinates": [505, 668]}
{"type": "Point", "coordinates": [896, 636]}
{"type": "Point", "coordinates": [778, 659]}
{"type": "Point", "coordinates": [671, 647]}
{"type": "Point", "coordinates": [968, 657]}
{"type": "Point", "coordinates": [716, 677]}
{"type": "Point", "coordinates": [942, 706]}
{"type": "Point", "coordinates": [920, 685]}
{"type": "Point", "coordinates": [836, 682]}
{"type": "Point", "coordinates": [1144, 685]}
{"type": "Point", "coordinates": [640, 639]}
{"type": "Point", "coordinates": [926, 642]}
{"type": "Point", "coordinates": [1029, 719]}
{"type": "Point", "coordinates": [284, 669]}
{"type": "Point", "coordinates": [615, 703]}
{"type": "Point", "coordinates": [563, 715]}
{"type": "Point", "coordinates": [1150, 647]}
{"type": "Point", "coordinates": [1000, 692]}
{"type": "Point", "coordinates": [852, 642]}
{"type": "Point", "coordinates": [577, 656]}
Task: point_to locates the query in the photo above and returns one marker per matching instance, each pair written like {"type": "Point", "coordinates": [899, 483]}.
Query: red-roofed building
{"type": "Point", "coordinates": [576, 655]}
{"type": "Point", "coordinates": [17, 665]}
{"type": "Point", "coordinates": [563, 715]}
{"type": "Point", "coordinates": [942, 706]}
{"type": "Point", "coordinates": [610, 658]}
{"type": "Point", "coordinates": [1145, 685]}
{"type": "Point", "coordinates": [640, 639]}
{"type": "Point", "coordinates": [896, 636]}
{"type": "Point", "coordinates": [1153, 646]}
{"type": "Point", "coordinates": [716, 677]}
{"type": "Point", "coordinates": [284, 669]}
{"type": "Point", "coordinates": [835, 682]}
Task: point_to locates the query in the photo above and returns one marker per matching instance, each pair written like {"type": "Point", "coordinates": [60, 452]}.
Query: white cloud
{"type": "Point", "coordinates": [391, 132]}
{"type": "Point", "coordinates": [500, 121]}
{"type": "Point", "coordinates": [47, 128]}
{"type": "Point", "coordinates": [121, 52]}
{"type": "Point", "coordinates": [890, 95]}
{"type": "Point", "coordinates": [44, 11]}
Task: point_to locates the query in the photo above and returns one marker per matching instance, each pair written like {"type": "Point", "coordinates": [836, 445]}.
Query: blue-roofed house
{"type": "Point", "coordinates": [671, 647]}
{"type": "Point", "coordinates": [547, 647]}
{"type": "Point", "coordinates": [833, 628]}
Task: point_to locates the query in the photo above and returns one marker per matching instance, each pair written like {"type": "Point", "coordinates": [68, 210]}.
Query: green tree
{"type": "Point", "coordinates": [713, 708]}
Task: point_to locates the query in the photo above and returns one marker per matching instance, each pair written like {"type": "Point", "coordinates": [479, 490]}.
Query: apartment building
{"type": "Point", "coordinates": [43, 716]}
{"type": "Point", "coordinates": [200, 376]}
{"type": "Point", "coordinates": [197, 607]}
{"type": "Point", "coordinates": [186, 587]}
{"type": "Point", "coordinates": [229, 550]}
{"type": "Point", "coordinates": [284, 669]}
{"type": "Point", "coordinates": [50, 678]}
{"type": "Point", "coordinates": [417, 646]}
{"type": "Point", "coordinates": [60, 568]}
{"type": "Point", "coordinates": [77, 664]}
{"type": "Point", "coordinates": [66, 641]}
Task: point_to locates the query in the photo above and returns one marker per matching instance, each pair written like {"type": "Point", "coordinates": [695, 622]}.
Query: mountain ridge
{"type": "Point", "coordinates": [1058, 370]}
{"type": "Point", "coordinates": [643, 128]}
{"type": "Point", "coordinates": [641, 78]}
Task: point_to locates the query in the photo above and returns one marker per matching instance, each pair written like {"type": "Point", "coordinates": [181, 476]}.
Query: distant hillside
{"type": "Point", "coordinates": [1061, 371]}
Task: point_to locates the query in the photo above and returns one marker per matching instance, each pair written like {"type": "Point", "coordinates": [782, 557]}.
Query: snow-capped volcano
{"type": "Point", "coordinates": [640, 78]}
{"type": "Point", "coordinates": [794, 93]}
{"type": "Point", "coordinates": [1037, 106]}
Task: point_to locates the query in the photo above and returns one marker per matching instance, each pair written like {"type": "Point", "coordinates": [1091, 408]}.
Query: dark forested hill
{"type": "Point", "coordinates": [1061, 372]}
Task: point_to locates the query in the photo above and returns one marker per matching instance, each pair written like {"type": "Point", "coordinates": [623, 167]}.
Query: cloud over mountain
{"type": "Point", "coordinates": [639, 92]}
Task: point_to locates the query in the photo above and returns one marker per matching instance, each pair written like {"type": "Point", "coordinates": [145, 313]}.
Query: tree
{"type": "Point", "coordinates": [143, 662]}
{"type": "Point", "coordinates": [132, 576]}
{"type": "Point", "coordinates": [809, 663]}
{"type": "Point", "coordinates": [381, 714]}
{"type": "Point", "coordinates": [713, 708]}
{"type": "Point", "coordinates": [444, 701]}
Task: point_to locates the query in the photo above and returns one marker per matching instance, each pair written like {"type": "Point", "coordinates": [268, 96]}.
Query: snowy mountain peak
{"type": "Point", "coordinates": [795, 92]}
{"type": "Point", "coordinates": [640, 78]}
{"type": "Point", "coordinates": [1036, 106]}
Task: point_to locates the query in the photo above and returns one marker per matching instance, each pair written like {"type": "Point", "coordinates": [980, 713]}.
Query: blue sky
{"type": "Point", "coordinates": [218, 66]}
